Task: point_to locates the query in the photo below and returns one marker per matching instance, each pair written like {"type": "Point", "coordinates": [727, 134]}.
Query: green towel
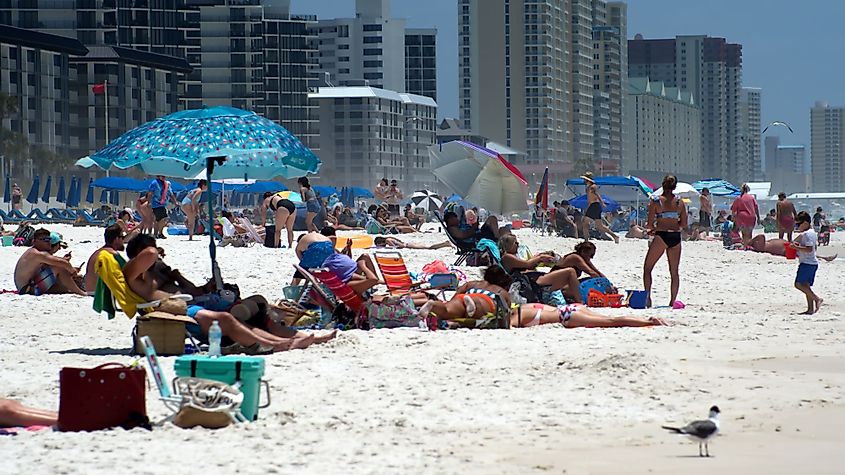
{"type": "Point", "coordinates": [103, 300]}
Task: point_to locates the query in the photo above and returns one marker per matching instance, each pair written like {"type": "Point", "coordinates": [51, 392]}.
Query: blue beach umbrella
{"type": "Point", "coordinates": [222, 141]}
{"type": "Point", "coordinates": [179, 144]}
{"type": "Point", "coordinates": [60, 194]}
{"type": "Point", "coordinates": [7, 192]}
{"type": "Point", "coordinates": [263, 187]}
{"type": "Point", "coordinates": [325, 191]}
{"type": "Point", "coordinates": [104, 196]}
{"type": "Point", "coordinates": [32, 197]}
{"type": "Point", "coordinates": [89, 196]}
{"type": "Point", "coordinates": [114, 197]}
{"type": "Point", "coordinates": [45, 197]}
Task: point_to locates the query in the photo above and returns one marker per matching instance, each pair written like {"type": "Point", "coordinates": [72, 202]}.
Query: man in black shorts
{"type": "Point", "coordinates": [489, 230]}
{"type": "Point", "coordinates": [159, 193]}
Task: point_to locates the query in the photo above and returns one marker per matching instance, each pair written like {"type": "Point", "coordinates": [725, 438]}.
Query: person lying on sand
{"type": "Point", "coordinates": [143, 255]}
{"type": "Point", "coordinates": [15, 414]}
{"type": "Point", "coordinates": [480, 296]}
{"type": "Point", "coordinates": [38, 272]}
{"type": "Point", "coordinates": [399, 223]}
{"type": "Point", "coordinates": [777, 247]}
{"type": "Point", "coordinates": [393, 243]}
{"type": "Point", "coordinates": [574, 316]}
{"type": "Point", "coordinates": [635, 231]}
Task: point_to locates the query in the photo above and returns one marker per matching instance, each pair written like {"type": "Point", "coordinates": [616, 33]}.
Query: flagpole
{"type": "Point", "coordinates": [106, 90]}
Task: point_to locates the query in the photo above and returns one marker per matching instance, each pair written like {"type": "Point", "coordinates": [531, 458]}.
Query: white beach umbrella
{"type": "Point", "coordinates": [681, 189]}
{"type": "Point", "coordinates": [428, 200]}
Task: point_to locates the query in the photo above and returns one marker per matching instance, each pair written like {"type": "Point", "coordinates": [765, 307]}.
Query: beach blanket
{"type": "Point", "coordinates": [490, 246]}
{"type": "Point", "coordinates": [112, 287]}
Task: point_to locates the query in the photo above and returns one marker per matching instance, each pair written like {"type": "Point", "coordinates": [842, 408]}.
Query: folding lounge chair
{"type": "Point", "coordinates": [203, 395]}
{"type": "Point", "coordinates": [342, 292]}
{"type": "Point", "coordinates": [38, 216]}
{"type": "Point", "coordinates": [60, 216]}
{"type": "Point", "coordinates": [465, 249]}
{"type": "Point", "coordinates": [8, 219]}
{"type": "Point", "coordinates": [16, 213]}
{"type": "Point", "coordinates": [88, 219]}
{"type": "Point", "coordinates": [398, 280]}
{"type": "Point", "coordinates": [251, 233]}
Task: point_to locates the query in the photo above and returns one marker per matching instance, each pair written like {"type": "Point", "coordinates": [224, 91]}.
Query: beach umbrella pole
{"type": "Point", "coordinates": [212, 246]}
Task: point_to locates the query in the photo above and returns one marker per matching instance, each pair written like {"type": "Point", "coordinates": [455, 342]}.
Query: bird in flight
{"type": "Point", "coordinates": [777, 123]}
{"type": "Point", "coordinates": [700, 431]}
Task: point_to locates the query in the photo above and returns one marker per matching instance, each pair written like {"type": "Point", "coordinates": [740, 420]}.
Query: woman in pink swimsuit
{"type": "Point", "coordinates": [746, 213]}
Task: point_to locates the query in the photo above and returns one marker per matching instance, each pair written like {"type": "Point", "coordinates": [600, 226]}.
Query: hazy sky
{"type": "Point", "coordinates": [792, 50]}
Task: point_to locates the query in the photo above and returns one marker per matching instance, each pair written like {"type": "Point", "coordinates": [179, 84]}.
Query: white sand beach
{"type": "Point", "coordinates": [536, 400]}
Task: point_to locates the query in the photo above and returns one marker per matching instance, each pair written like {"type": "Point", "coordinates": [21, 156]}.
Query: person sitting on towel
{"type": "Point", "coordinates": [38, 272]}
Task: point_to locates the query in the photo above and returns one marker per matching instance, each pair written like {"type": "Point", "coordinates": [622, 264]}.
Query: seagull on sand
{"type": "Point", "coordinates": [700, 431]}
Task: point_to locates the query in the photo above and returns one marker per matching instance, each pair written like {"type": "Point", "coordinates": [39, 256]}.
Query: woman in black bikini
{"type": "Point", "coordinates": [285, 215]}
{"type": "Point", "coordinates": [667, 215]}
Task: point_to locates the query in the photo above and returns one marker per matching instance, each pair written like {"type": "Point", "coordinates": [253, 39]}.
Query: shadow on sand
{"type": "Point", "coordinates": [95, 351]}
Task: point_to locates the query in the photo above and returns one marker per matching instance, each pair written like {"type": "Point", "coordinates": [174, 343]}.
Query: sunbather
{"type": "Point", "coordinates": [489, 230]}
{"type": "Point", "coordinates": [143, 255]}
{"type": "Point", "coordinates": [574, 316]}
{"type": "Point", "coordinates": [394, 243]}
{"type": "Point", "coordinates": [399, 223]}
{"type": "Point", "coordinates": [38, 272]}
{"type": "Point", "coordinates": [581, 260]}
{"type": "Point", "coordinates": [565, 280]}
{"type": "Point", "coordinates": [15, 414]}
{"type": "Point", "coordinates": [475, 298]}
{"type": "Point", "coordinates": [635, 231]}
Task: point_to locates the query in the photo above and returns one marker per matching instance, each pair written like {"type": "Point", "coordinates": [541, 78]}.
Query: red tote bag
{"type": "Point", "coordinates": [109, 395]}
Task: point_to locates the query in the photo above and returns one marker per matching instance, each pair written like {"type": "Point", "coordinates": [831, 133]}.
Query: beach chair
{"type": "Point", "coordinates": [17, 214]}
{"type": "Point", "coordinates": [395, 273]}
{"type": "Point", "coordinates": [466, 249]}
{"type": "Point", "coordinates": [8, 219]}
{"type": "Point", "coordinates": [38, 216]}
{"type": "Point", "coordinates": [251, 233]}
{"type": "Point", "coordinates": [59, 216]}
{"type": "Point", "coordinates": [315, 291]}
{"type": "Point", "coordinates": [202, 397]}
{"type": "Point", "coordinates": [84, 218]}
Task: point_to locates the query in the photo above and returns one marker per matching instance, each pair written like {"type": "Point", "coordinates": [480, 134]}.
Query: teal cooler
{"type": "Point", "coordinates": [247, 370]}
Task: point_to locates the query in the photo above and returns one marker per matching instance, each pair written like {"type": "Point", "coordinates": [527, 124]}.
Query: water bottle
{"type": "Point", "coordinates": [215, 334]}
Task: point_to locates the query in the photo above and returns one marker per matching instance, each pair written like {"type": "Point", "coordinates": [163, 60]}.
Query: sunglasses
{"type": "Point", "coordinates": [45, 239]}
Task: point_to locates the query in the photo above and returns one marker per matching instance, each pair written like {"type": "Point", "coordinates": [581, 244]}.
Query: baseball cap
{"type": "Point", "coordinates": [56, 238]}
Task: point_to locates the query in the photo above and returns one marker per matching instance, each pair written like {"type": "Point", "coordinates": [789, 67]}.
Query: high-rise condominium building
{"type": "Point", "coordinates": [369, 47]}
{"type": "Point", "coordinates": [527, 79]}
{"type": "Point", "coordinates": [223, 41]}
{"type": "Point", "coordinates": [421, 62]}
{"type": "Point", "coordinates": [710, 69]}
{"type": "Point", "coordinates": [666, 136]}
{"type": "Point", "coordinates": [610, 74]}
{"type": "Point", "coordinates": [827, 150]}
{"type": "Point", "coordinates": [50, 78]}
{"type": "Point", "coordinates": [371, 133]}
{"type": "Point", "coordinates": [290, 70]}
{"type": "Point", "coordinates": [787, 166]}
{"type": "Point", "coordinates": [750, 136]}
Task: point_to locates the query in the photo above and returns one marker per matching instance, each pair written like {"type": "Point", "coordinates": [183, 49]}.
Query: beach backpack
{"type": "Point", "coordinates": [392, 312]}
{"type": "Point", "coordinates": [24, 236]}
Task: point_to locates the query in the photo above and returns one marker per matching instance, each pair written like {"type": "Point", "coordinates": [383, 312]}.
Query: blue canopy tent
{"type": "Point", "coordinates": [610, 204]}
{"type": "Point", "coordinates": [89, 196]}
{"type": "Point", "coordinates": [262, 187]}
{"type": "Point", "coordinates": [717, 187]}
{"type": "Point", "coordinates": [625, 184]}
{"type": "Point", "coordinates": [32, 197]}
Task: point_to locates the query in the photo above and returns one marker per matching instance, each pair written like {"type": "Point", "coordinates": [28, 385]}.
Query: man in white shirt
{"type": "Point", "coordinates": [806, 243]}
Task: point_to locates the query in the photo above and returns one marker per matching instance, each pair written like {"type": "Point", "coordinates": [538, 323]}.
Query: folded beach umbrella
{"type": "Point", "coordinates": [104, 196]}
{"type": "Point", "coordinates": [60, 194]}
{"type": "Point", "coordinates": [114, 197]}
{"type": "Point", "coordinates": [480, 175]}
{"type": "Point", "coordinates": [45, 197]}
{"type": "Point", "coordinates": [32, 197]}
{"type": "Point", "coordinates": [7, 192]}
{"type": "Point", "coordinates": [74, 194]}
{"type": "Point", "coordinates": [427, 200]}
{"type": "Point", "coordinates": [89, 196]}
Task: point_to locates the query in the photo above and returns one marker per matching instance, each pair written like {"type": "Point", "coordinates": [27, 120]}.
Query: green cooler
{"type": "Point", "coordinates": [246, 370]}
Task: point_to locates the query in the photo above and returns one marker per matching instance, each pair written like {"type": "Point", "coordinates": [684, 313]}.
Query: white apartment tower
{"type": "Point", "coordinates": [527, 80]}
{"type": "Point", "coordinates": [369, 47]}
{"type": "Point", "coordinates": [750, 136]}
{"type": "Point", "coordinates": [710, 69]}
{"type": "Point", "coordinates": [610, 74]}
{"type": "Point", "coordinates": [827, 150]}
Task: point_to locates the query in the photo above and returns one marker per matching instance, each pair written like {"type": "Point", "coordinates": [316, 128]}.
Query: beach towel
{"type": "Point", "coordinates": [491, 247]}
{"type": "Point", "coordinates": [112, 287]}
